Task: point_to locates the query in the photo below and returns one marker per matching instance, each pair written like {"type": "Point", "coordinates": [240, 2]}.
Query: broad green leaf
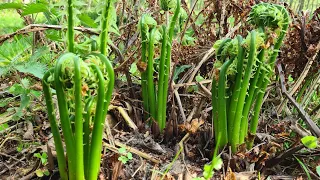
{"type": "Point", "coordinates": [3, 126]}
{"type": "Point", "coordinates": [129, 155]}
{"type": "Point", "coordinates": [39, 53]}
{"type": "Point", "coordinates": [208, 172]}
{"type": "Point", "coordinates": [16, 89]}
{"type": "Point", "coordinates": [310, 142]}
{"type": "Point", "coordinates": [4, 62]}
{"type": "Point", "coordinates": [46, 172]}
{"type": "Point", "coordinates": [149, 20]}
{"type": "Point", "coordinates": [11, 6]}
{"type": "Point", "coordinates": [18, 114]}
{"type": "Point", "coordinates": [36, 93]}
{"type": "Point", "coordinates": [35, 68]}
{"type": "Point", "coordinates": [122, 150]}
{"type": "Point", "coordinates": [123, 159]}
{"type": "Point", "coordinates": [231, 21]}
{"type": "Point", "coordinates": [217, 163]}
{"type": "Point", "coordinates": [33, 8]}
{"type": "Point", "coordinates": [133, 68]}
{"type": "Point", "coordinates": [54, 36]}
{"type": "Point", "coordinates": [25, 83]}
{"type": "Point", "coordinates": [39, 173]}
{"type": "Point", "coordinates": [318, 170]}
{"type": "Point", "coordinates": [183, 14]}
{"type": "Point", "coordinates": [25, 99]}
{"type": "Point", "coordinates": [86, 19]}
{"type": "Point", "coordinates": [37, 155]}
{"type": "Point", "coordinates": [179, 70]}
{"type": "Point", "coordinates": [199, 78]}
{"type": "Point", "coordinates": [44, 158]}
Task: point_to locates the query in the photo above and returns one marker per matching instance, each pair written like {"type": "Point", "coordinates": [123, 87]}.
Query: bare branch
{"type": "Point", "coordinates": [41, 27]}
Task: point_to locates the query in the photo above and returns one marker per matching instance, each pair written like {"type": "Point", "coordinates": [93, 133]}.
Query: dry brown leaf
{"type": "Point", "coordinates": [230, 175]}
{"type": "Point", "coordinates": [29, 132]}
{"type": "Point", "coordinates": [142, 66]}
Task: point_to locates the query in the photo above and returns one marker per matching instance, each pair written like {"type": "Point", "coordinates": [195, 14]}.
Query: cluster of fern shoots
{"type": "Point", "coordinates": [155, 97]}
{"type": "Point", "coordinates": [83, 85]}
{"type": "Point", "coordinates": [242, 72]}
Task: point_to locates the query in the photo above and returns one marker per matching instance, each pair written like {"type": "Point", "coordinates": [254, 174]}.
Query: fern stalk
{"type": "Point", "coordinates": [105, 27]}
{"type": "Point", "coordinates": [150, 71]}
{"type": "Point", "coordinates": [268, 75]}
{"type": "Point", "coordinates": [70, 27]}
{"type": "Point", "coordinates": [243, 92]}
{"type": "Point", "coordinates": [237, 87]}
{"type": "Point", "coordinates": [78, 119]}
{"type": "Point", "coordinates": [161, 100]}
{"type": "Point", "coordinates": [103, 101]}
{"type": "Point", "coordinates": [222, 107]}
{"type": "Point", "coordinates": [168, 63]}
{"type": "Point", "coordinates": [86, 135]}
{"type": "Point", "coordinates": [54, 127]}
{"type": "Point", "coordinates": [95, 150]}
{"type": "Point", "coordinates": [64, 117]}
{"type": "Point", "coordinates": [251, 96]}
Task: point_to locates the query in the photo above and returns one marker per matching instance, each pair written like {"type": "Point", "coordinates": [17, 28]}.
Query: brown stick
{"type": "Point", "coordinates": [41, 27]}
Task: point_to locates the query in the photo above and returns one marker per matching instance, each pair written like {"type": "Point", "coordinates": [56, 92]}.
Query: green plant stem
{"type": "Point", "coordinates": [168, 63]}
{"type": "Point", "coordinates": [222, 107]}
{"type": "Point", "coordinates": [259, 100]}
{"type": "Point", "coordinates": [96, 140]}
{"type": "Point", "coordinates": [105, 27]}
{"type": "Point", "coordinates": [215, 101]}
{"type": "Point", "coordinates": [86, 136]}
{"type": "Point", "coordinates": [103, 102]}
{"type": "Point", "coordinates": [64, 117]}
{"type": "Point", "coordinates": [144, 84]}
{"type": "Point", "coordinates": [250, 97]}
{"type": "Point", "coordinates": [256, 112]}
{"type": "Point", "coordinates": [151, 92]}
{"type": "Point", "coordinates": [111, 81]}
{"type": "Point", "coordinates": [161, 76]}
{"type": "Point", "coordinates": [54, 127]}
{"type": "Point", "coordinates": [237, 87]}
{"type": "Point", "coordinates": [243, 92]}
{"type": "Point", "coordinates": [78, 119]}
{"type": "Point", "coordinates": [70, 27]}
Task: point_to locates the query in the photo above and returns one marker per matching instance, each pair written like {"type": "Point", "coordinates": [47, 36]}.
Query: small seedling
{"type": "Point", "coordinates": [310, 142]}
{"type": "Point", "coordinates": [125, 156]}
{"type": "Point", "coordinates": [43, 157]}
{"type": "Point", "coordinates": [41, 172]}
